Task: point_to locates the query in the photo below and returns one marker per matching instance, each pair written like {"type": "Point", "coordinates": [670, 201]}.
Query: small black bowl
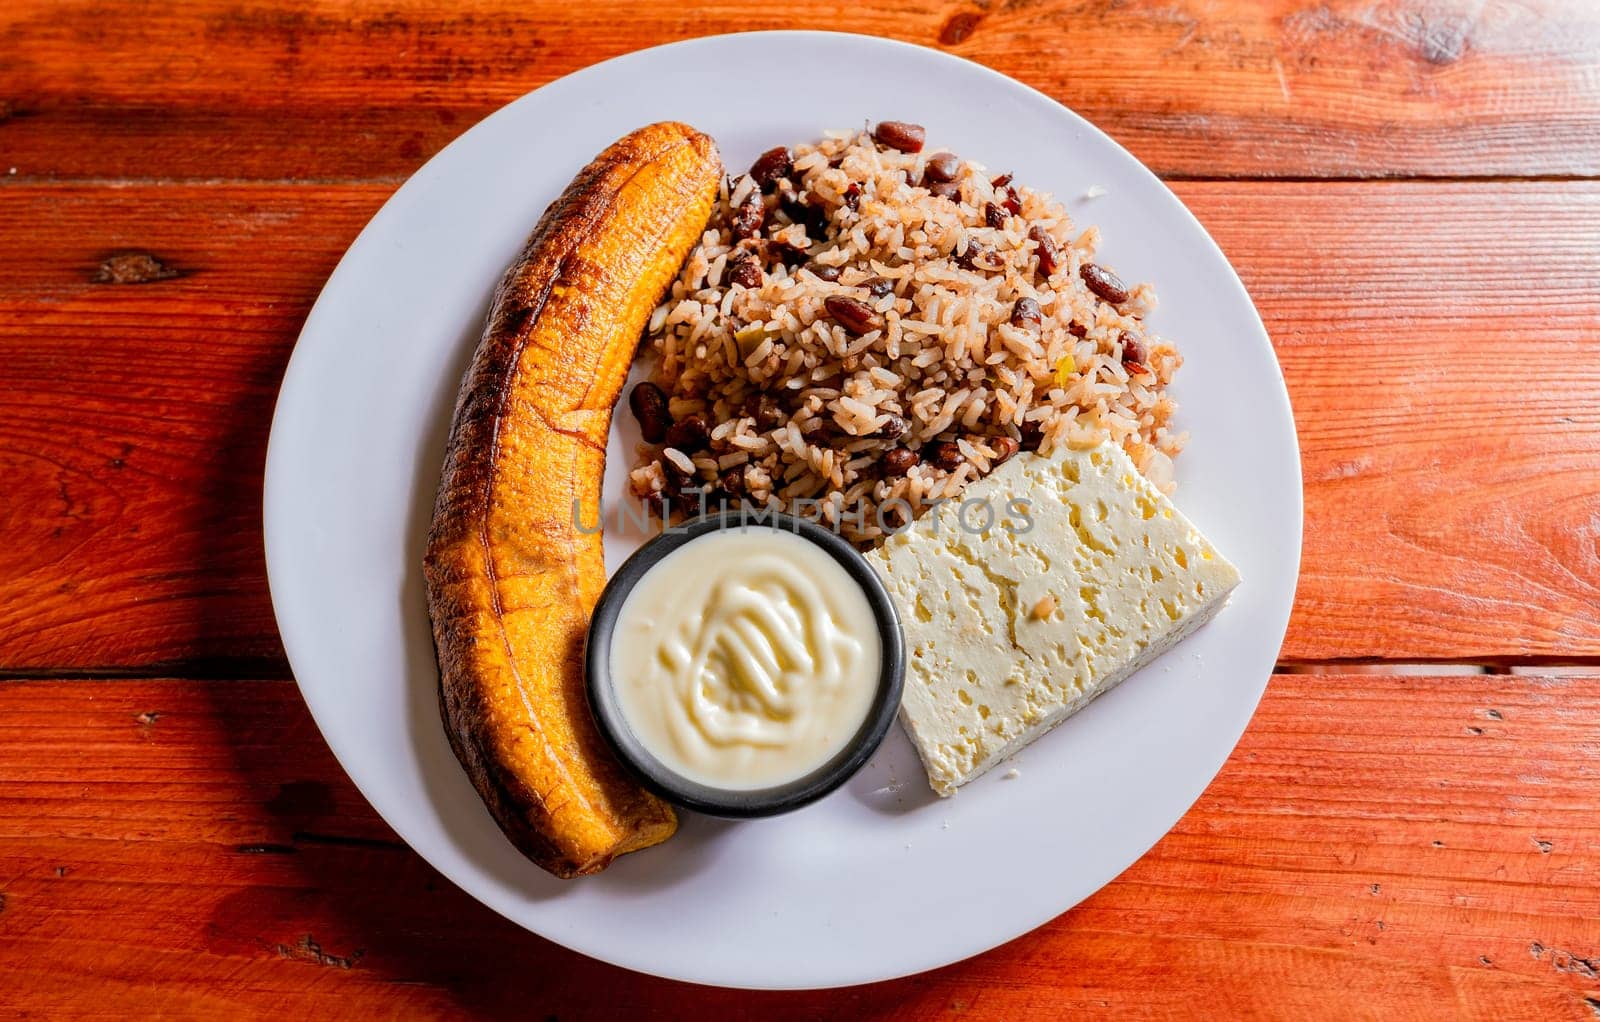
{"type": "Point", "coordinates": [704, 798]}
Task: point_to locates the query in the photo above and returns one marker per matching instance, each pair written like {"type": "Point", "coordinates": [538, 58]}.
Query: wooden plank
{"type": "Point", "coordinates": [1375, 847]}
{"type": "Point", "coordinates": [213, 89]}
{"type": "Point", "coordinates": [143, 337]}
{"type": "Point", "coordinates": [1442, 350]}
{"type": "Point", "coordinates": [1451, 506]}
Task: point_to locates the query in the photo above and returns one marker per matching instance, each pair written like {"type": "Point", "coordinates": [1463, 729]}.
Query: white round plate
{"type": "Point", "coordinates": [881, 878]}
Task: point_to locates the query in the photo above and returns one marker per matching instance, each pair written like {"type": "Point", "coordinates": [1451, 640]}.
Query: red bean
{"type": "Point", "coordinates": [771, 165]}
{"type": "Point", "coordinates": [855, 316]}
{"type": "Point", "coordinates": [688, 434]}
{"type": "Point", "coordinates": [941, 167]}
{"type": "Point", "coordinates": [897, 461]}
{"type": "Point", "coordinates": [1003, 447]}
{"type": "Point", "coordinates": [649, 405]}
{"type": "Point", "coordinates": [877, 287]}
{"type": "Point", "coordinates": [798, 210]}
{"type": "Point", "coordinates": [827, 273]}
{"type": "Point", "coordinates": [1132, 350]}
{"type": "Point", "coordinates": [893, 428]}
{"type": "Point", "coordinates": [744, 272]}
{"type": "Point", "coordinates": [852, 197]}
{"type": "Point", "coordinates": [1026, 313]}
{"type": "Point", "coordinates": [732, 482]}
{"type": "Point", "coordinates": [1104, 283]}
{"type": "Point", "coordinates": [674, 482]}
{"type": "Point", "coordinates": [946, 190]}
{"type": "Point", "coordinates": [946, 455]}
{"type": "Point", "coordinates": [785, 253]}
{"type": "Point", "coordinates": [908, 138]}
{"type": "Point", "coordinates": [1049, 256]}
{"type": "Point", "coordinates": [817, 432]}
{"type": "Point", "coordinates": [764, 410]}
{"type": "Point", "coordinates": [747, 218]}
{"type": "Point", "coordinates": [979, 258]}
{"type": "Point", "coordinates": [1032, 434]}
{"type": "Point", "coordinates": [1011, 201]}
{"type": "Point", "coordinates": [994, 216]}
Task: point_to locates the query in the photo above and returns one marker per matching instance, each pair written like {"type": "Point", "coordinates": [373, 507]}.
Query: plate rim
{"type": "Point", "coordinates": [277, 469]}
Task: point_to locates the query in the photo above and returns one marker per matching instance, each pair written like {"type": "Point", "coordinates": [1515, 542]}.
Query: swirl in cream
{"type": "Point", "coordinates": [745, 658]}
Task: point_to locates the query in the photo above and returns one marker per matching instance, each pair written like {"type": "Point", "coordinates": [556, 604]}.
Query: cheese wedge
{"type": "Point", "coordinates": [1084, 574]}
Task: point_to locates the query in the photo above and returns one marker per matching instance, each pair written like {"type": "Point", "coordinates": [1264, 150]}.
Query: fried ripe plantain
{"type": "Point", "coordinates": [511, 579]}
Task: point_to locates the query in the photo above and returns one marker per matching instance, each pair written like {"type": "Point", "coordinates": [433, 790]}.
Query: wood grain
{"type": "Point", "coordinates": [1441, 344]}
{"type": "Point", "coordinates": [143, 334]}
{"type": "Point", "coordinates": [1442, 350]}
{"type": "Point", "coordinates": [281, 90]}
{"type": "Point", "coordinates": [1410, 847]}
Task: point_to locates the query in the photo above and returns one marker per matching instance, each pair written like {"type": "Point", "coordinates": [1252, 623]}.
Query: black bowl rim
{"type": "Point", "coordinates": [742, 803]}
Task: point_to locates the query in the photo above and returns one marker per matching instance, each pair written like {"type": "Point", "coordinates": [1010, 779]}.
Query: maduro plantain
{"type": "Point", "coordinates": [511, 579]}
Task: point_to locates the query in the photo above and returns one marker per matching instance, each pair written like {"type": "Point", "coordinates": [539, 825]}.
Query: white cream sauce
{"type": "Point", "coordinates": [745, 658]}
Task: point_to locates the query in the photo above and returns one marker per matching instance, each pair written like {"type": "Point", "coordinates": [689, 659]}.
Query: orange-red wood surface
{"type": "Point", "coordinates": [1410, 189]}
{"type": "Point", "coordinates": [1376, 846]}
{"type": "Point", "coordinates": [1241, 88]}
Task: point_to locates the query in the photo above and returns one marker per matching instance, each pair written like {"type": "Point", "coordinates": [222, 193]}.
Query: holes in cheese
{"type": "Point", "coordinates": [1125, 577]}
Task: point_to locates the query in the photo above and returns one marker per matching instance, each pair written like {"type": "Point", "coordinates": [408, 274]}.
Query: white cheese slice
{"type": "Point", "coordinates": [1011, 630]}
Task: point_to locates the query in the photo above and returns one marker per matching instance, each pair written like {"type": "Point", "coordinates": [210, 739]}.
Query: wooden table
{"type": "Point", "coordinates": [1410, 190]}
